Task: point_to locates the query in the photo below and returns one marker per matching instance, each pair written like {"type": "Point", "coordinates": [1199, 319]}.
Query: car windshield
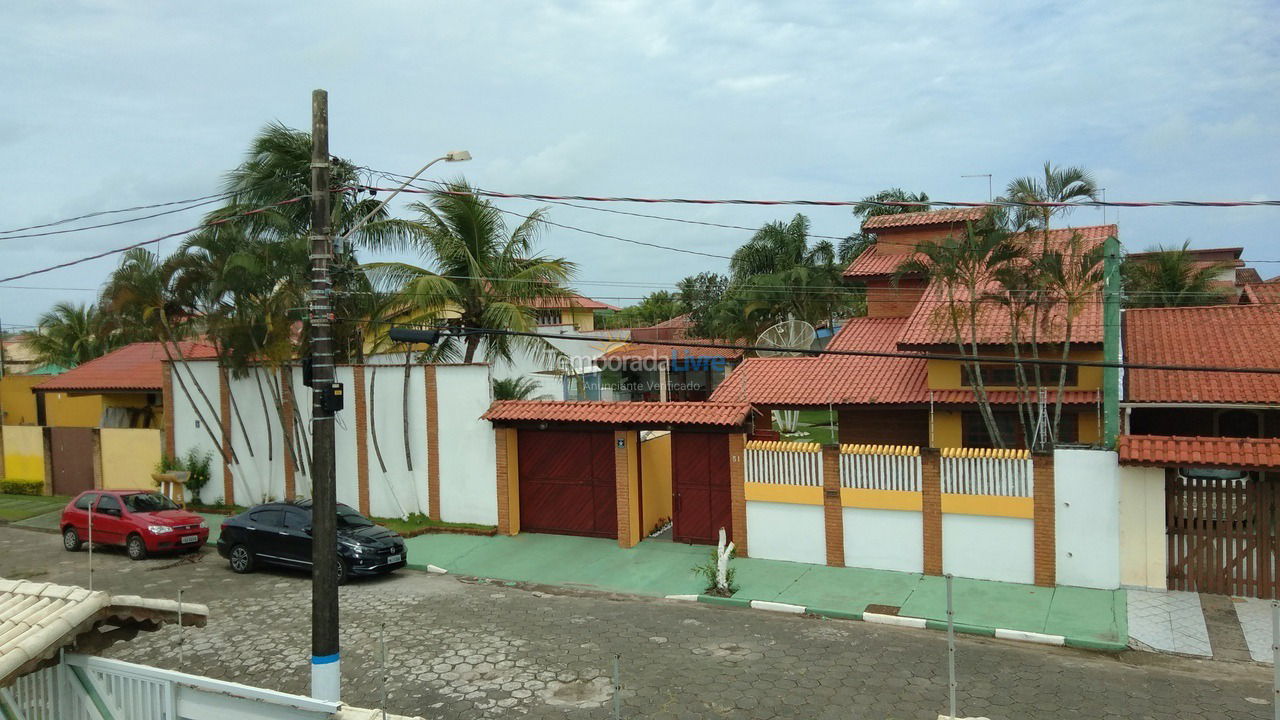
{"type": "Point", "coordinates": [350, 518]}
{"type": "Point", "coordinates": [148, 502]}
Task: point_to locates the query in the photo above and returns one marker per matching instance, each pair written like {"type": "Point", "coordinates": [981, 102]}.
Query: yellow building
{"type": "Point", "coordinates": [882, 399]}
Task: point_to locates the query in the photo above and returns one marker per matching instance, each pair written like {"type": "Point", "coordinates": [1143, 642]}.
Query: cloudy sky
{"type": "Point", "coordinates": [114, 103]}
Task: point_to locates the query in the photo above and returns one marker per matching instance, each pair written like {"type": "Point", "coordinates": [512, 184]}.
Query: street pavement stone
{"type": "Point", "coordinates": [472, 649]}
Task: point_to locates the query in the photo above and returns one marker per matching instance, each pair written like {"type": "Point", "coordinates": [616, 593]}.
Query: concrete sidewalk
{"type": "Point", "coordinates": [1084, 617]}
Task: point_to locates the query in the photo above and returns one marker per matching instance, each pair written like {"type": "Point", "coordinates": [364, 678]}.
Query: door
{"type": "Point", "coordinates": [266, 532]}
{"type": "Point", "coordinates": [1222, 535]}
{"type": "Point", "coordinates": [700, 487]}
{"type": "Point", "coordinates": [71, 456]}
{"type": "Point", "coordinates": [108, 522]}
{"type": "Point", "coordinates": [567, 483]}
{"type": "Point", "coordinates": [295, 537]}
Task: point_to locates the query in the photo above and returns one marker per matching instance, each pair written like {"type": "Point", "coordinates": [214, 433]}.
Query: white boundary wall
{"type": "Point", "coordinates": [786, 531]}
{"type": "Point", "coordinates": [467, 461]}
{"type": "Point", "coordinates": [988, 548]}
{"type": "Point", "coordinates": [1086, 486]}
{"type": "Point", "coordinates": [884, 539]}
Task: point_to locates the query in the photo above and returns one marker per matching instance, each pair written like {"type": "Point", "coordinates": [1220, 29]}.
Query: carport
{"type": "Point", "coordinates": [576, 468]}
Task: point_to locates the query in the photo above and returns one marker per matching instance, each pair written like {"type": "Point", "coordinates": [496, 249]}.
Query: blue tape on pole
{"type": "Point", "coordinates": [324, 659]}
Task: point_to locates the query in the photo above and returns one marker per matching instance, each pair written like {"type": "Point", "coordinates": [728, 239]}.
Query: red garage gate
{"type": "Point", "coordinates": [575, 468]}
{"type": "Point", "coordinates": [567, 482]}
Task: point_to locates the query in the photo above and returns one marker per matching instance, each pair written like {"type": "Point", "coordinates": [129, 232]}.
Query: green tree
{"type": "Point", "coordinates": [656, 307]}
{"type": "Point", "coordinates": [699, 295]}
{"type": "Point", "coordinates": [854, 245]}
{"type": "Point", "coordinates": [777, 247]}
{"type": "Point", "coordinates": [482, 276]}
{"type": "Point", "coordinates": [516, 388]}
{"type": "Point", "coordinates": [69, 334]}
{"type": "Point", "coordinates": [1171, 277]}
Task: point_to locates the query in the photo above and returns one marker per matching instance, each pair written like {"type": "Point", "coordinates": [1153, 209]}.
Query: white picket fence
{"type": "Point", "coordinates": [880, 467]}
{"type": "Point", "coordinates": [980, 471]}
{"type": "Point", "coordinates": [783, 463]}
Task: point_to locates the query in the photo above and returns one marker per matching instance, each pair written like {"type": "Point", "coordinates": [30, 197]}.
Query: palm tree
{"type": "Point", "coordinates": [516, 388]}
{"type": "Point", "coordinates": [777, 247]}
{"type": "Point", "coordinates": [962, 266]}
{"type": "Point", "coordinates": [484, 278]}
{"type": "Point", "coordinates": [1072, 276]}
{"type": "Point", "coordinates": [1170, 277]}
{"type": "Point", "coordinates": [67, 335]}
{"type": "Point", "coordinates": [853, 246]}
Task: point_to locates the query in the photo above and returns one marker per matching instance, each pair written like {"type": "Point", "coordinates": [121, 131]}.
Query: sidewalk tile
{"type": "Point", "coordinates": [1168, 621]}
{"type": "Point", "coordinates": [987, 603]}
{"type": "Point", "coordinates": [1080, 613]}
{"type": "Point", "coordinates": [1255, 621]}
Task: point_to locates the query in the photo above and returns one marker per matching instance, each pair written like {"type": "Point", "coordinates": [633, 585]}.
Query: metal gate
{"type": "Point", "coordinates": [71, 459]}
{"type": "Point", "coordinates": [568, 483]}
{"type": "Point", "coordinates": [1221, 535]}
{"type": "Point", "coordinates": [700, 484]}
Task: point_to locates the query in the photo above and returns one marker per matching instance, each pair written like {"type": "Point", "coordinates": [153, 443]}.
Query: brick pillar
{"type": "Point", "coordinates": [931, 509]}
{"type": "Point", "coordinates": [833, 510]}
{"type": "Point", "coordinates": [362, 439]}
{"type": "Point", "coordinates": [224, 414]}
{"type": "Point", "coordinates": [286, 432]}
{"type": "Point", "coordinates": [738, 493]}
{"type": "Point", "coordinates": [433, 442]}
{"type": "Point", "coordinates": [166, 397]}
{"type": "Point", "coordinates": [626, 475]}
{"type": "Point", "coordinates": [508, 469]}
{"type": "Point", "coordinates": [1045, 522]}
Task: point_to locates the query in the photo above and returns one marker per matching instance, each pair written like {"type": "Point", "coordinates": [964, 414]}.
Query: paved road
{"type": "Point", "coordinates": [475, 650]}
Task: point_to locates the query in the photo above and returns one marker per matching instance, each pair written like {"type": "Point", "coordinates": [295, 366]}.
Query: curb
{"type": "Point", "coordinates": [1110, 646]}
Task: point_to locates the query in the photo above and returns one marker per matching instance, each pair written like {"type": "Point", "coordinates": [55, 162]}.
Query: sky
{"type": "Point", "coordinates": [116, 103]}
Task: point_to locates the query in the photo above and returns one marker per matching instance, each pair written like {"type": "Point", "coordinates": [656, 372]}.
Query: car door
{"type": "Point", "coordinates": [265, 528]}
{"type": "Point", "coordinates": [295, 538]}
{"type": "Point", "coordinates": [108, 521]}
{"type": "Point", "coordinates": [78, 514]}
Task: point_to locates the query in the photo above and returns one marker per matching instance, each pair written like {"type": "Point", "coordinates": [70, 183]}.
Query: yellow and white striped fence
{"type": "Point", "coordinates": [783, 463]}
{"type": "Point", "coordinates": [880, 467]}
{"type": "Point", "coordinates": [987, 471]}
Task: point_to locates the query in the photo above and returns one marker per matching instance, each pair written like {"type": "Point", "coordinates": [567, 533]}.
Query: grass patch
{"type": "Point", "coordinates": [216, 508]}
{"type": "Point", "coordinates": [21, 507]}
{"type": "Point", "coordinates": [417, 524]}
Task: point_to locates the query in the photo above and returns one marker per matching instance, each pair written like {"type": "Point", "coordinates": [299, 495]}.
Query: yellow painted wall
{"type": "Point", "coordinates": [23, 452]}
{"type": "Point", "coordinates": [17, 402]}
{"type": "Point", "coordinates": [655, 474]}
{"type": "Point", "coordinates": [63, 410]}
{"type": "Point", "coordinates": [770, 492]}
{"type": "Point", "coordinates": [948, 429]}
{"type": "Point", "coordinates": [946, 375]}
{"type": "Point", "coordinates": [582, 319]}
{"type": "Point", "coordinates": [129, 456]}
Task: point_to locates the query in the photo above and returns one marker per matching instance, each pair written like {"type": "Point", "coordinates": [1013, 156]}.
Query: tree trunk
{"type": "Point", "coordinates": [208, 428]}
{"type": "Point", "coordinates": [404, 409]}
{"type": "Point", "coordinates": [235, 409]}
{"type": "Point", "coordinates": [975, 368]}
{"type": "Point", "coordinates": [164, 324]}
{"type": "Point", "coordinates": [373, 415]}
{"type": "Point", "coordinates": [473, 342]}
{"type": "Point", "coordinates": [266, 412]}
{"type": "Point", "coordinates": [1062, 378]}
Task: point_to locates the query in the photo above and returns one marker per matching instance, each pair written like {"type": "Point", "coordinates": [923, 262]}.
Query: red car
{"type": "Point", "coordinates": [143, 522]}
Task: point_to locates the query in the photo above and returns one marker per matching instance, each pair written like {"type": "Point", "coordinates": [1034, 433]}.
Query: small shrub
{"type": "Point", "coordinates": [195, 462]}
{"type": "Point", "coordinates": [16, 486]}
{"type": "Point", "coordinates": [708, 571]}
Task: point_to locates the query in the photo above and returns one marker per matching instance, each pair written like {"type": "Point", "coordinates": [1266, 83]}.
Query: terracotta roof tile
{"type": "Point", "coordinates": [928, 325]}
{"type": "Point", "coordinates": [873, 263]}
{"type": "Point", "coordinates": [927, 217]}
{"type": "Point", "coordinates": [1222, 335]}
{"type": "Point", "coordinates": [1210, 452]}
{"type": "Point", "coordinates": [666, 352]}
{"type": "Point", "coordinates": [621, 413]}
{"type": "Point", "coordinates": [136, 367]}
{"type": "Point", "coordinates": [1267, 293]}
{"type": "Point", "coordinates": [569, 301]}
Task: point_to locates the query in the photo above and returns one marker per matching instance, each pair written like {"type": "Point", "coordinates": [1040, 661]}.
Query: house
{"type": "Point", "coordinates": [572, 310]}
{"type": "Point", "coordinates": [649, 370]}
{"type": "Point", "coordinates": [1210, 444]}
{"type": "Point", "coordinates": [927, 402]}
{"type": "Point", "coordinates": [1261, 293]}
{"type": "Point", "coordinates": [1232, 275]}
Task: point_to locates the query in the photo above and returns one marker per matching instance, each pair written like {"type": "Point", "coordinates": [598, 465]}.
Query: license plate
{"type": "Point", "coordinates": [394, 558]}
{"type": "Point", "coordinates": [190, 539]}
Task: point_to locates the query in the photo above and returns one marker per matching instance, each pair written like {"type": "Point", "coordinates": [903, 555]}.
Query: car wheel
{"type": "Point", "coordinates": [241, 559]}
{"type": "Point", "coordinates": [343, 572]}
{"type": "Point", "coordinates": [70, 540]}
{"type": "Point", "coordinates": [136, 548]}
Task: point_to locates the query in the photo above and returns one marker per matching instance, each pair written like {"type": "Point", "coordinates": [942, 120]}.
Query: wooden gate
{"type": "Point", "coordinates": [71, 453]}
{"type": "Point", "coordinates": [700, 487]}
{"type": "Point", "coordinates": [1222, 535]}
{"type": "Point", "coordinates": [567, 482]}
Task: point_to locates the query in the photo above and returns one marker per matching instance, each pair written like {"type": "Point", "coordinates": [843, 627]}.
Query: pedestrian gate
{"type": "Point", "coordinates": [1222, 535]}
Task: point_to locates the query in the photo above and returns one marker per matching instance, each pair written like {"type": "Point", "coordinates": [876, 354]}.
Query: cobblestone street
{"type": "Point", "coordinates": [465, 649]}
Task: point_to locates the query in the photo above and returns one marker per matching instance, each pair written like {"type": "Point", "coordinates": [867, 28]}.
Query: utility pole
{"type": "Point", "coordinates": [1111, 350]}
{"type": "Point", "coordinates": [326, 672]}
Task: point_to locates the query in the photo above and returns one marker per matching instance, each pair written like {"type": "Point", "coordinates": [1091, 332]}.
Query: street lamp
{"type": "Point", "coordinates": [451, 156]}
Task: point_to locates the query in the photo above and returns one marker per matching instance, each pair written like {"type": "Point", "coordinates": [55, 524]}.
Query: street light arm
{"type": "Point", "coordinates": [455, 156]}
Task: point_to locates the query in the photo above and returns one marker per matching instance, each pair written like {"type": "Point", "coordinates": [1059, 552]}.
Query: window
{"type": "Point", "coordinates": [974, 430]}
{"type": "Point", "coordinates": [148, 502]}
{"type": "Point", "coordinates": [296, 519]}
{"type": "Point", "coordinates": [548, 316]}
{"type": "Point", "coordinates": [84, 501]}
{"type": "Point", "coordinates": [1007, 376]}
{"type": "Point", "coordinates": [272, 517]}
{"type": "Point", "coordinates": [107, 504]}
{"type": "Point", "coordinates": [1239, 424]}
{"type": "Point", "coordinates": [350, 518]}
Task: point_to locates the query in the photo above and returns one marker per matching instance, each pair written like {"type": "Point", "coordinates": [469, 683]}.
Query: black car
{"type": "Point", "coordinates": [280, 534]}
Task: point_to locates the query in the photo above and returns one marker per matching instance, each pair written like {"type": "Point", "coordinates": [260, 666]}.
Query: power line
{"type": "Point", "coordinates": [99, 213]}
{"type": "Point", "coordinates": [152, 241]}
{"type": "Point", "coordinates": [112, 224]}
{"type": "Point", "coordinates": [614, 237]}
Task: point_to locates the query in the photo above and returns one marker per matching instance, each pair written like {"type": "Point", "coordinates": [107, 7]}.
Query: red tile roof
{"type": "Point", "coordinates": [929, 326]}
{"type": "Point", "coordinates": [620, 413]}
{"type": "Point", "coordinates": [1209, 452]}
{"type": "Point", "coordinates": [1267, 293]}
{"type": "Point", "coordinates": [873, 263]}
{"type": "Point", "coordinates": [133, 368]}
{"type": "Point", "coordinates": [664, 353]}
{"type": "Point", "coordinates": [569, 301]}
{"type": "Point", "coordinates": [1220, 335]}
{"type": "Point", "coordinates": [928, 217]}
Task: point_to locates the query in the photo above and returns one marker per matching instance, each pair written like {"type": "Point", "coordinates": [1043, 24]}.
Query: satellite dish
{"type": "Point", "coordinates": [786, 339]}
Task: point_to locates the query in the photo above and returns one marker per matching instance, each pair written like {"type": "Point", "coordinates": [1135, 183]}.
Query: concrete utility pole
{"type": "Point", "coordinates": [1111, 350]}
{"type": "Point", "coordinates": [326, 672]}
